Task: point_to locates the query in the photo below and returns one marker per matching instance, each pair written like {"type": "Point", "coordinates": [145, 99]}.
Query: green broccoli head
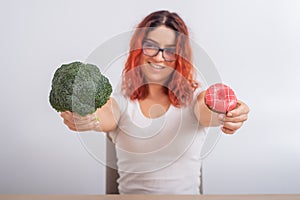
{"type": "Point", "coordinates": [80, 88]}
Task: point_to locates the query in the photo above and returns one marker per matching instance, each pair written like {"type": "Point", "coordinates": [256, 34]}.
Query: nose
{"type": "Point", "coordinates": [159, 57]}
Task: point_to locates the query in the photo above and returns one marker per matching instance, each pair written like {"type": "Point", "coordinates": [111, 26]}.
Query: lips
{"type": "Point", "coordinates": [155, 66]}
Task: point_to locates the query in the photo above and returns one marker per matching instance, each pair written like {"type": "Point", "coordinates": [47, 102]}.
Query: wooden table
{"type": "Point", "coordinates": [151, 197]}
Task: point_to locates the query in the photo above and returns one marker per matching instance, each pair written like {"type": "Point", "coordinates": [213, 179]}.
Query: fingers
{"type": "Point", "coordinates": [67, 115]}
{"type": "Point", "coordinates": [230, 127]}
{"type": "Point", "coordinates": [240, 109]}
{"type": "Point", "coordinates": [227, 131]}
{"type": "Point", "coordinates": [234, 119]}
{"type": "Point", "coordinates": [239, 118]}
{"type": "Point", "coordinates": [76, 122]}
{"type": "Point", "coordinates": [79, 120]}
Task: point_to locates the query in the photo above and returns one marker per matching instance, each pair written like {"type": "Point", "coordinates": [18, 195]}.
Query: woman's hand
{"type": "Point", "coordinates": [76, 122]}
{"type": "Point", "coordinates": [235, 118]}
{"type": "Point", "coordinates": [105, 119]}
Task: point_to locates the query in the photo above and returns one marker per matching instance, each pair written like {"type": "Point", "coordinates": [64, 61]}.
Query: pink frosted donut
{"type": "Point", "coordinates": [220, 98]}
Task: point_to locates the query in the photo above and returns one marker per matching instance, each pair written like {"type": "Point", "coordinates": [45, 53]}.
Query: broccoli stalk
{"type": "Point", "coordinates": [80, 88]}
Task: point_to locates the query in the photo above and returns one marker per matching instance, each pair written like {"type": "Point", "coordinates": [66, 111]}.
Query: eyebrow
{"type": "Point", "coordinates": [153, 41]}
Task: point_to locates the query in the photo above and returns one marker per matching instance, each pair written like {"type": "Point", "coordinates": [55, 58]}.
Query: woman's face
{"type": "Point", "coordinates": [155, 67]}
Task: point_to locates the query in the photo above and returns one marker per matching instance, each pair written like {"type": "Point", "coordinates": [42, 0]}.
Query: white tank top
{"type": "Point", "coordinates": [158, 156]}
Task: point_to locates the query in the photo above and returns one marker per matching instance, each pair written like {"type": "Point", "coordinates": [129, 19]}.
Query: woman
{"type": "Point", "coordinates": [158, 120]}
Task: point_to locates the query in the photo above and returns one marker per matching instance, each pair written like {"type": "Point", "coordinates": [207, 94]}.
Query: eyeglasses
{"type": "Point", "coordinates": [150, 49]}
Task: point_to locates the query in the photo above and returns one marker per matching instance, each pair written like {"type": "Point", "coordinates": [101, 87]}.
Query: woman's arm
{"type": "Point", "coordinates": [230, 121]}
{"type": "Point", "coordinates": [104, 119]}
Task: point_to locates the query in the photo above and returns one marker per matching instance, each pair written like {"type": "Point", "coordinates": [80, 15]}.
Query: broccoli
{"type": "Point", "coordinates": [80, 88]}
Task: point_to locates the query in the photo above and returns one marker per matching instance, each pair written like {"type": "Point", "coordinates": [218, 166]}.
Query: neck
{"type": "Point", "coordinates": [156, 90]}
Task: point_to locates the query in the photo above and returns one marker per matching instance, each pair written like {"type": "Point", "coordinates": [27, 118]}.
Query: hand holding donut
{"type": "Point", "coordinates": [221, 99]}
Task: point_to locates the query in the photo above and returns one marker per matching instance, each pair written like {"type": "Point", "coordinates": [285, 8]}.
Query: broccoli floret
{"type": "Point", "coordinates": [80, 88]}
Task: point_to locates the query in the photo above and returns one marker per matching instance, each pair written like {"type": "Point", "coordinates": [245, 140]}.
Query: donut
{"type": "Point", "coordinates": [220, 98]}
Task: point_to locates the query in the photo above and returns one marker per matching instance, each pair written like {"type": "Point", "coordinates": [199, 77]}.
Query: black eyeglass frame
{"type": "Point", "coordinates": [158, 49]}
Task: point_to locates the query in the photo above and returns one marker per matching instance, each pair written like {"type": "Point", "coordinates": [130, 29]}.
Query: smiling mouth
{"type": "Point", "coordinates": [156, 66]}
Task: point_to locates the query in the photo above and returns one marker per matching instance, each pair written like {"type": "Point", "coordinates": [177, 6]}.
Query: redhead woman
{"type": "Point", "coordinates": [158, 118]}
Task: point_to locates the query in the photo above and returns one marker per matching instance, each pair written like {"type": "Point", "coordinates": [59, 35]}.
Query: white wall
{"type": "Point", "coordinates": [254, 44]}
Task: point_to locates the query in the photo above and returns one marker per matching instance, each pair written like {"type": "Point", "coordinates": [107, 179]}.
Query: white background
{"type": "Point", "coordinates": [255, 45]}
